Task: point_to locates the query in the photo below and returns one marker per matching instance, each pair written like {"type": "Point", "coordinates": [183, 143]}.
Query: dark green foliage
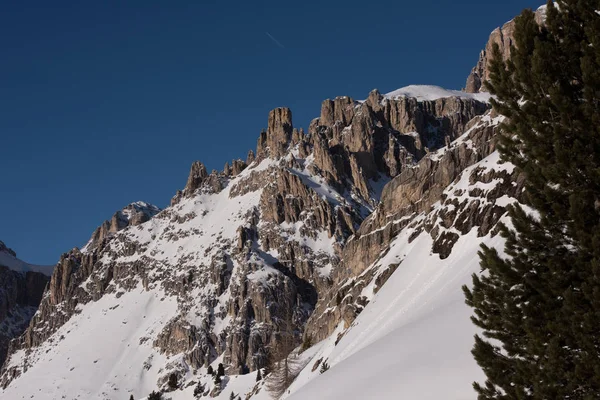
{"type": "Point", "coordinates": [258, 375]}
{"type": "Point", "coordinates": [218, 379]}
{"type": "Point", "coordinates": [131, 397]}
{"type": "Point", "coordinates": [199, 389]}
{"type": "Point", "coordinates": [210, 370]}
{"type": "Point", "coordinates": [220, 370]}
{"type": "Point", "coordinates": [232, 396]}
{"type": "Point", "coordinates": [155, 396]}
{"type": "Point", "coordinates": [173, 381]}
{"type": "Point", "coordinates": [324, 368]}
{"type": "Point", "coordinates": [542, 305]}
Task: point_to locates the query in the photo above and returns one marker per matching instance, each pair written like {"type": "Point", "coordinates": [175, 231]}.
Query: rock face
{"type": "Point", "coordinates": [504, 38]}
{"type": "Point", "coordinates": [274, 141]}
{"type": "Point", "coordinates": [443, 196]}
{"type": "Point", "coordinates": [20, 295]}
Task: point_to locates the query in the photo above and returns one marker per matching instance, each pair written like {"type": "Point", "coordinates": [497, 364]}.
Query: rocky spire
{"type": "Point", "coordinates": [339, 110]}
{"type": "Point", "coordinates": [250, 158]}
{"type": "Point", "coordinates": [197, 175]}
{"type": "Point", "coordinates": [4, 248]}
{"type": "Point", "coordinates": [131, 215]}
{"type": "Point", "coordinates": [274, 141]}
{"type": "Point", "coordinates": [237, 166]}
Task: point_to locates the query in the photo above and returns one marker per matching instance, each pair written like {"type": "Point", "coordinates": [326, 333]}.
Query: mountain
{"type": "Point", "coordinates": [21, 289]}
{"type": "Point", "coordinates": [352, 239]}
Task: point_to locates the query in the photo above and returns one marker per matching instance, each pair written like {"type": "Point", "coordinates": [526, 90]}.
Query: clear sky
{"type": "Point", "coordinates": [103, 103]}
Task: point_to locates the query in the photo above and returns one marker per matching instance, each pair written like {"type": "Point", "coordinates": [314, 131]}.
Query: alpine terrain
{"type": "Point", "coordinates": [326, 265]}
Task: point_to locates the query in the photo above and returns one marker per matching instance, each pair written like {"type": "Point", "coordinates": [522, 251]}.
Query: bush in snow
{"type": "Point", "coordinates": [173, 381]}
{"type": "Point", "coordinates": [155, 396]}
{"type": "Point", "coordinates": [199, 390]}
{"type": "Point", "coordinates": [324, 367]}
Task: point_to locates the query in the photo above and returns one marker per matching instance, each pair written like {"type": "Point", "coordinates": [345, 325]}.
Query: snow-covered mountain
{"type": "Point", "coordinates": [358, 234]}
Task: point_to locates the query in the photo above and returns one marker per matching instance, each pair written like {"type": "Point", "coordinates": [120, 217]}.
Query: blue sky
{"type": "Point", "coordinates": [107, 102]}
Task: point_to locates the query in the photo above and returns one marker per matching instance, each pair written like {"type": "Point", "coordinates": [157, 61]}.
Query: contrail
{"type": "Point", "coordinates": [277, 42]}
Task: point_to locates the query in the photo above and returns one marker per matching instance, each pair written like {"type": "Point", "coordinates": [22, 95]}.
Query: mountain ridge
{"type": "Point", "coordinates": [309, 229]}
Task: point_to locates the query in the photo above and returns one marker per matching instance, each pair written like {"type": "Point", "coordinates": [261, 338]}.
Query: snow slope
{"type": "Point", "coordinates": [415, 330]}
{"type": "Point", "coordinates": [413, 339]}
{"type": "Point", "coordinates": [115, 335]}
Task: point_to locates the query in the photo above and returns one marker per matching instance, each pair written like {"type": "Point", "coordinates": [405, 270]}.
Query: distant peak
{"type": "Point", "coordinates": [143, 206]}
{"type": "Point", "coordinates": [133, 214]}
{"type": "Point", "coordinates": [432, 93]}
{"type": "Point", "coordinates": [8, 258]}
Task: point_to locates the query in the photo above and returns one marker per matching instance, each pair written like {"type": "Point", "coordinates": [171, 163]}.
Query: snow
{"type": "Point", "coordinates": [13, 263]}
{"type": "Point", "coordinates": [100, 352]}
{"type": "Point", "coordinates": [430, 93]}
{"type": "Point", "coordinates": [416, 328]}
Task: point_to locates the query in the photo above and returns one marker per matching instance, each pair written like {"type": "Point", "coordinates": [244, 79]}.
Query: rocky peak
{"type": "Point", "coordinates": [274, 141]}
{"type": "Point", "coordinates": [361, 142]}
{"type": "Point", "coordinates": [234, 169]}
{"type": "Point", "coordinates": [4, 249]}
{"type": "Point", "coordinates": [197, 175]}
{"type": "Point", "coordinates": [250, 157]}
{"type": "Point", "coordinates": [340, 110]}
{"type": "Point", "coordinates": [504, 37]}
{"type": "Point", "coordinates": [131, 215]}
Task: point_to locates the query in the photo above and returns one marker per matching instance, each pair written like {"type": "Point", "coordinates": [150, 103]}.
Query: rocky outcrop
{"type": "Point", "coordinates": [197, 175]}
{"type": "Point", "coordinates": [360, 142]}
{"type": "Point", "coordinates": [20, 296]}
{"type": "Point", "coordinates": [424, 189]}
{"type": "Point", "coordinates": [132, 215]}
{"type": "Point", "coordinates": [274, 141]}
{"type": "Point", "coordinates": [504, 37]}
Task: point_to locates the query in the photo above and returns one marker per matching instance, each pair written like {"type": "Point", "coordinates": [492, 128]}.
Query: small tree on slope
{"type": "Point", "coordinates": [542, 302]}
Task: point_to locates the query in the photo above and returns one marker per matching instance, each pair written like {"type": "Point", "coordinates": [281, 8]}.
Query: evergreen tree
{"type": "Point", "coordinates": [220, 370]}
{"type": "Point", "coordinates": [324, 367]}
{"type": "Point", "coordinates": [258, 375]}
{"type": "Point", "coordinates": [541, 304]}
{"type": "Point", "coordinates": [173, 381]}
{"type": "Point", "coordinates": [131, 397]}
{"type": "Point", "coordinates": [210, 370]}
{"type": "Point", "coordinates": [232, 396]}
